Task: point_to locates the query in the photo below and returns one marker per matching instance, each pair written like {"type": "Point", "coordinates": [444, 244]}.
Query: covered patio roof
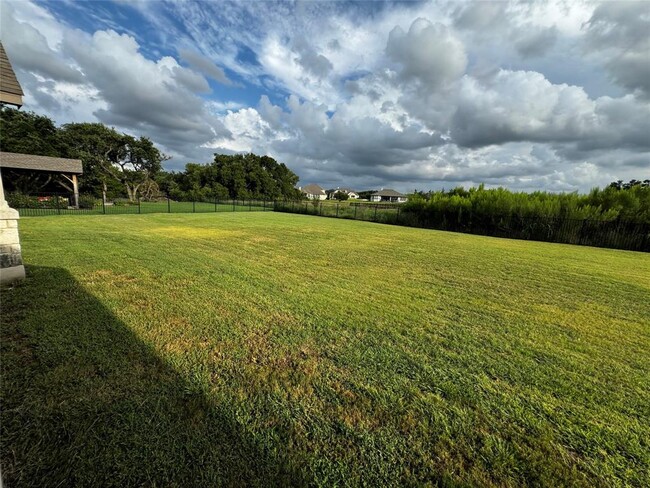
{"type": "Point", "coordinates": [40, 163]}
{"type": "Point", "coordinates": [10, 91]}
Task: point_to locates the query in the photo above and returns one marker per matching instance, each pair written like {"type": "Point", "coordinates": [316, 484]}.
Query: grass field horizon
{"type": "Point", "coordinates": [262, 348]}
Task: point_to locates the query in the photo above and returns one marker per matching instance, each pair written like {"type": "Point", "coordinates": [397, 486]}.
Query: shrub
{"type": "Point", "coordinates": [87, 201]}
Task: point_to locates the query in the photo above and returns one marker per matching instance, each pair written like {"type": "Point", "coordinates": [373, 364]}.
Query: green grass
{"type": "Point", "coordinates": [267, 349]}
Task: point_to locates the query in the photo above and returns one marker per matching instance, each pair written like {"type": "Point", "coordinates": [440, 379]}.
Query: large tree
{"type": "Point", "coordinates": [232, 176]}
{"type": "Point", "coordinates": [112, 161]}
{"type": "Point", "coordinates": [109, 156]}
{"type": "Point", "coordinates": [29, 133]}
{"type": "Point", "coordinates": [253, 176]}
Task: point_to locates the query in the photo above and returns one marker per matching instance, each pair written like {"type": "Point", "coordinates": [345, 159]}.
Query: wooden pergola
{"type": "Point", "coordinates": [69, 169]}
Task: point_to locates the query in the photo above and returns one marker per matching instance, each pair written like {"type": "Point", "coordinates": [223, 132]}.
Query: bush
{"type": "Point", "coordinates": [19, 200]}
{"type": "Point", "coordinates": [87, 201]}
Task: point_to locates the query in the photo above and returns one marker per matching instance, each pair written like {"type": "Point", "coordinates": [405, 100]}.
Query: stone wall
{"type": "Point", "coordinates": [11, 261]}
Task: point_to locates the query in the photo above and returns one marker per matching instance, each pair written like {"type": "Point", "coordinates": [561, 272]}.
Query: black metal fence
{"type": "Point", "coordinates": [615, 234]}
{"type": "Point", "coordinates": [64, 204]}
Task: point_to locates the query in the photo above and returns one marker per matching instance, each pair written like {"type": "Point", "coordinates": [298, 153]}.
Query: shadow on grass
{"type": "Point", "coordinates": [86, 403]}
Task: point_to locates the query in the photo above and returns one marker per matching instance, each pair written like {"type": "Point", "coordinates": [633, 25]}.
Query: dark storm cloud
{"type": "Point", "coordinates": [619, 32]}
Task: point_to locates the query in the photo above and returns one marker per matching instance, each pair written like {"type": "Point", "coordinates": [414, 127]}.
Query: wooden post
{"type": "Point", "coordinates": [75, 186]}
{"type": "Point", "coordinates": [104, 195]}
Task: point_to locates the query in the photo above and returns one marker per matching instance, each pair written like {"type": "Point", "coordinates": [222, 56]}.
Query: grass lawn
{"type": "Point", "coordinates": [268, 349]}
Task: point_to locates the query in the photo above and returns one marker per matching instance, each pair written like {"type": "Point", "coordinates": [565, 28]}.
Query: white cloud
{"type": "Point", "coordinates": [429, 53]}
{"type": "Point", "coordinates": [416, 94]}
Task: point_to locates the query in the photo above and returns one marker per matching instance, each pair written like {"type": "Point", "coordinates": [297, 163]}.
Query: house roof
{"type": "Point", "coordinates": [387, 192]}
{"type": "Point", "coordinates": [10, 90]}
{"type": "Point", "coordinates": [40, 163]}
{"type": "Point", "coordinates": [344, 190]}
{"type": "Point", "coordinates": [313, 190]}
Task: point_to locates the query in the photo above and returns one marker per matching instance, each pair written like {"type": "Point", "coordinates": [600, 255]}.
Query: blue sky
{"type": "Point", "coordinates": [532, 95]}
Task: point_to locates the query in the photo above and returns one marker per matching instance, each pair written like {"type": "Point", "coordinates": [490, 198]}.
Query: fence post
{"type": "Point", "coordinates": [233, 204]}
{"type": "Point", "coordinates": [355, 211]}
{"type": "Point", "coordinates": [250, 203]}
{"type": "Point", "coordinates": [139, 208]}
{"type": "Point", "coordinates": [193, 206]}
{"type": "Point", "coordinates": [320, 209]}
{"type": "Point", "coordinates": [215, 204]}
{"type": "Point", "coordinates": [582, 228]}
{"type": "Point", "coordinates": [169, 205]}
{"type": "Point", "coordinates": [375, 212]}
{"type": "Point", "coordinates": [645, 241]}
{"type": "Point", "coordinates": [337, 209]}
{"type": "Point", "coordinates": [397, 219]}
{"type": "Point", "coordinates": [58, 204]}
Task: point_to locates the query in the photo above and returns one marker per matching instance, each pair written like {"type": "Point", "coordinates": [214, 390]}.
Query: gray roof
{"type": "Point", "coordinates": [40, 163]}
{"type": "Point", "coordinates": [8, 81]}
{"type": "Point", "coordinates": [344, 190]}
{"type": "Point", "coordinates": [313, 190]}
{"type": "Point", "coordinates": [387, 192]}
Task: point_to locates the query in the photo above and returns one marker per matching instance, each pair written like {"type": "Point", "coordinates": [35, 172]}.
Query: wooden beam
{"type": "Point", "coordinates": [75, 185]}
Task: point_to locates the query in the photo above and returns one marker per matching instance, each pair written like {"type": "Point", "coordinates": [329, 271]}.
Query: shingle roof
{"type": "Point", "coordinates": [40, 163]}
{"type": "Point", "coordinates": [313, 190]}
{"type": "Point", "coordinates": [8, 81]}
{"type": "Point", "coordinates": [388, 193]}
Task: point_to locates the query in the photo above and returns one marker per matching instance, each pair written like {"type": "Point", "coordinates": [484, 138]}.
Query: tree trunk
{"type": "Point", "coordinates": [132, 191]}
{"type": "Point", "coordinates": [104, 192]}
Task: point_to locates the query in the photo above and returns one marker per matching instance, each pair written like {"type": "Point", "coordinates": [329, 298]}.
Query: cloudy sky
{"type": "Point", "coordinates": [537, 95]}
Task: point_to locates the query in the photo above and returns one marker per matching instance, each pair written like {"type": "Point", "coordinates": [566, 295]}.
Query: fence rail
{"type": "Point", "coordinates": [615, 234]}
{"type": "Point", "coordinates": [60, 204]}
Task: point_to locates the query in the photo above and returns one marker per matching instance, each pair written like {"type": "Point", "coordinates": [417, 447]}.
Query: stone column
{"type": "Point", "coordinates": [11, 261]}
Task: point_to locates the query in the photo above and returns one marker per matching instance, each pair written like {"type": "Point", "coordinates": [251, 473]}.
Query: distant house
{"type": "Point", "coordinates": [350, 193]}
{"type": "Point", "coordinates": [313, 192]}
{"type": "Point", "coordinates": [388, 195]}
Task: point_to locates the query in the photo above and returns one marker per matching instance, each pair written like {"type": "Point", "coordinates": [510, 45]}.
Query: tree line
{"type": "Point", "coordinates": [116, 164]}
{"type": "Point", "coordinates": [625, 201]}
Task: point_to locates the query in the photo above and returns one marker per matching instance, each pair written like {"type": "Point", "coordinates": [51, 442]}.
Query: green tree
{"type": "Point", "coordinates": [28, 133]}
{"type": "Point", "coordinates": [109, 156]}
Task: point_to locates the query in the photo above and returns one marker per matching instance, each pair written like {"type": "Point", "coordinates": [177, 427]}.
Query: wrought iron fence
{"type": "Point", "coordinates": [63, 204]}
{"type": "Point", "coordinates": [615, 234]}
